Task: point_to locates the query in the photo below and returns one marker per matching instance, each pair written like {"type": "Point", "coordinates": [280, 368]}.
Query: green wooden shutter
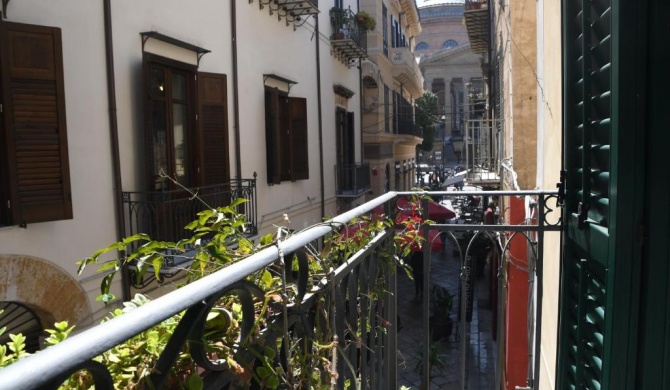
{"type": "Point", "coordinates": [587, 161]}
{"type": "Point", "coordinates": [35, 133]}
{"type": "Point", "coordinates": [298, 135]}
{"type": "Point", "coordinates": [599, 271]}
{"type": "Point", "coordinates": [213, 124]}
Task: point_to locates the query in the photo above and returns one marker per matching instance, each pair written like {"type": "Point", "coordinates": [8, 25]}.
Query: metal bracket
{"type": "Point", "coordinates": [561, 189]}
{"type": "Point", "coordinates": [582, 219]}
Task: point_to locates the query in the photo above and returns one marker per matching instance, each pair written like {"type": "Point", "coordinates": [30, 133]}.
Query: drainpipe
{"type": "Point", "coordinates": [236, 102]}
{"type": "Point", "coordinates": [318, 100]}
{"type": "Point", "coordinates": [114, 138]}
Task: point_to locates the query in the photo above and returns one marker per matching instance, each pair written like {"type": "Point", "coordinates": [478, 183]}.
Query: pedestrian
{"type": "Point", "coordinates": [416, 262]}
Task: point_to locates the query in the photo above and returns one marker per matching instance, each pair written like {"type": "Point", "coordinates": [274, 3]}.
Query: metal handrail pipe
{"type": "Point", "coordinates": [494, 228]}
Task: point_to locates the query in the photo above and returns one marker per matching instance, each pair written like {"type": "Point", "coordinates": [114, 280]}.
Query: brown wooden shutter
{"type": "Point", "coordinates": [35, 134]}
{"type": "Point", "coordinates": [272, 133]}
{"type": "Point", "coordinates": [213, 125]}
{"type": "Point", "coordinates": [299, 154]}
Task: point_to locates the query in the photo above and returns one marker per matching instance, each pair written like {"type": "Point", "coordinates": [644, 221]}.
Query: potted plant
{"type": "Point", "coordinates": [365, 21]}
{"type": "Point", "coordinates": [441, 324]}
{"type": "Point", "coordinates": [339, 19]}
{"type": "Point", "coordinates": [436, 361]}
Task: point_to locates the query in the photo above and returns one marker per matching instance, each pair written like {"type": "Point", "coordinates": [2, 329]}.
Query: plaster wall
{"type": "Point", "coordinates": [550, 127]}
{"type": "Point", "coordinates": [524, 54]}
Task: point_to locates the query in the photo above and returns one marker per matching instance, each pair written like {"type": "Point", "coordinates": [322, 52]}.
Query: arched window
{"type": "Point", "coordinates": [421, 46]}
{"type": "Point", "coordinates": [448, 44]}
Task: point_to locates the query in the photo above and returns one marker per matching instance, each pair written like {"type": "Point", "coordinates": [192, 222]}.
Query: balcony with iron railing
{"type": "Point", "coordinates": [294, 12]}
{"type": "Point", "coordinates": [482, 154]}
{"type": "Point", "coordinates": [352, 180]}
{"type": "Point", "coordinates": [164, 214]}
{"type": "Point", "coordinates": [406, 70]}
{"type": "Point", "coordinates": [348, 41]}
{"type": "Point", "coordinates": [477, 24]}
{"type": "Point", "coordinates": [329, 319]}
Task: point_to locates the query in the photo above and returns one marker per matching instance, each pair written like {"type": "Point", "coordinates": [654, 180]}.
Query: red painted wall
{"type": "Point", "coordinates": [516, 351]}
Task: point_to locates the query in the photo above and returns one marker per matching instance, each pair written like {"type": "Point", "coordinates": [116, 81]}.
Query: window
{"type": "Point", "coordinates": [339, 3]}
{"type": "Point", "coordinates": [448, 44]}
{"type": "Point", "coordinates": [34, 165]}
{"type": "Point", "coordinates": [387, 109]}
{"type": "Point", "coordinates": [385, 29]}
{"type": "Point", "coordinates": [286, 137]}
{"type": "Point", "coordinates": [191, 149]}
{"type": "Point", "coordinates": [422, 46]}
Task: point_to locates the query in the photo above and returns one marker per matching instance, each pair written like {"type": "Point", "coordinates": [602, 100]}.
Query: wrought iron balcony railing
{"type": "Point", "coordinates": [477, 24]}
{"type": "Point", "coordinates": [293, 11]}
{"type": "Point", "coordinates": [350, 310]}
{"type": "Point", "coordinates": [164, 214]}
{"type": "Point", "coordinates": [352, 180]}
{"type": "Point", "coordinates": [409, 128]}
{"type": "Point", "coordinates": [348, 40]}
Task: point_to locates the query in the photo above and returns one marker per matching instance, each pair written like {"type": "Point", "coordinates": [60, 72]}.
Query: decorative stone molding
{"type": "Point", "coordinates": [44, 287]}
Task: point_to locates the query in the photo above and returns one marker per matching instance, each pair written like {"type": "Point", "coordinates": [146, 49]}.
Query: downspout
{"type": "Point", "coordinates": [320, 118]}
{"type": "Point", "coordinates": [114, 139]}
{"type": "Point", "coordinates": [236, 102]}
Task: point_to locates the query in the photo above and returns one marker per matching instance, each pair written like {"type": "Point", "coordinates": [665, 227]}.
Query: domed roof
{"type": "Point", "coordinates": [430, 3]}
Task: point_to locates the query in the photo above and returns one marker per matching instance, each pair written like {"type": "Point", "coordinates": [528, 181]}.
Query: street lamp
{"type": "Point", "coordinates": [457, 143]}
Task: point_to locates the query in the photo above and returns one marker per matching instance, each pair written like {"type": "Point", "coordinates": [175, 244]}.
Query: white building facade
{"type": "Point", "coordinates": [101, 100]}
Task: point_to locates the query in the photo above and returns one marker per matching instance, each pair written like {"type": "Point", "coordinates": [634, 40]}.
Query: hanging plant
{"type": "Point", "coordinates": [365, 20]}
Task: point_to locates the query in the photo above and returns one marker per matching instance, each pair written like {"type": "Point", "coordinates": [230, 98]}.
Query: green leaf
{"type": "Point", "coordinates": [238, 202]}
{"type": "Point", "coordinates": [262, 372]}
{"type": "Point", "coordinates": [157, 262]}
{"type": "Point", "coordinates": [106, 283]}
{"type": "Point", "coordinates": [112, 264]}
{"type": "Point", "coordinates": [135, 237]}
{"type": "Point", "coordinates": [270, 353]}
{"type": "Point", "coordinates": [272, 382]}
{"type": "Point", "coordinates": [267, 278]}
{"type": "Point", "coordinates": [194, 382]}
{"type": "Point", "coordinates": [267, 239]}
{"type": "Point", "coordinates": [105, 298]}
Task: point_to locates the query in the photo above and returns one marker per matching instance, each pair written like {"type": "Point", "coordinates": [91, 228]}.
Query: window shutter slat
{"type": "Point", "coordinates": [35, 125]}
{"type": "Point", "coordinates": [272, 131]}
{"type": "Point", "coordinates": [213, 122]}
{"type": "Point", "coordinates": [299, 147]}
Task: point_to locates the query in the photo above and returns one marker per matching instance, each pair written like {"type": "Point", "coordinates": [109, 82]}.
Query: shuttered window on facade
{"type": "Point", "coordinates": [213, 125]}
{"type": "Point", "coordinates": [34, 165]}
{"type": "Point", "coordinates": [286, 137]}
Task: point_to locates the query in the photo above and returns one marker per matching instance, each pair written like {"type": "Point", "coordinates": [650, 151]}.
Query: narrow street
{"type": "Point", "coordinates": [445, 270]}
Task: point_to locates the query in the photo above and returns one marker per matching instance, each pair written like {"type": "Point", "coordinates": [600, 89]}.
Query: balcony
{"type": "Point", "coordinates": [352, 180]}
{"type": "Point", "coordinates": [406, 70]}
{"type": "Point", "coordinates": [294, 12]}
{"type": "Point", "coordinates": [265, 330]}
{"type": "Point", "coordinates": [477, 23]}
{"type": "Point", "coordinates": [481, 153]}
{"type": "Point", "coordinates": [164, 214]}
{"type": "Point", "coordinates": [349, 40]}
{"type": "Point", "coordinates": [409, 128]}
